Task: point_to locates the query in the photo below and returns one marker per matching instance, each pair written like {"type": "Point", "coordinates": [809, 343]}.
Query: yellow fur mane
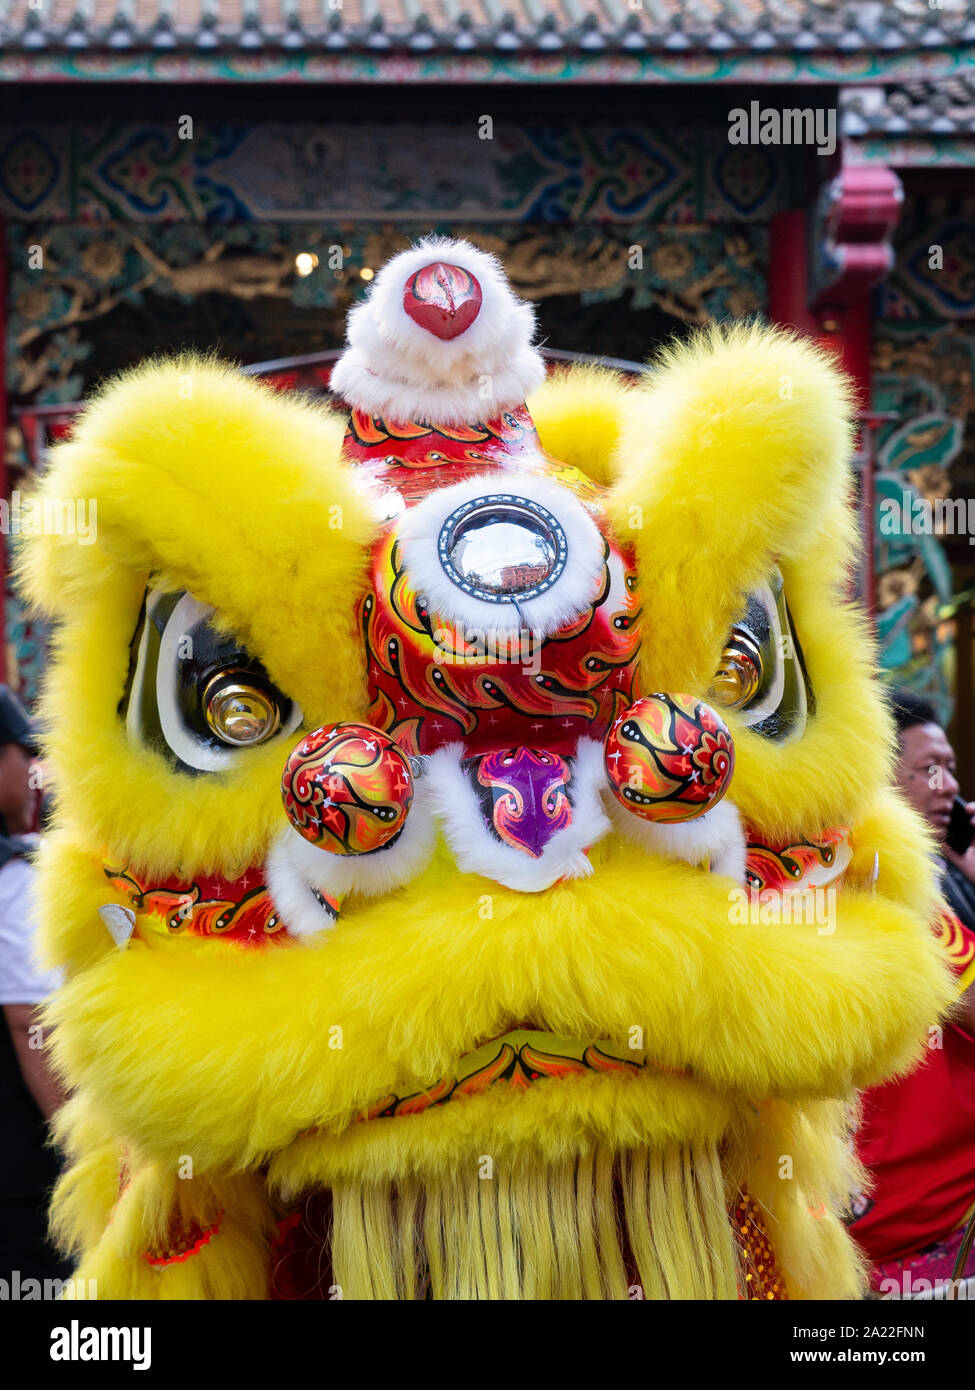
{"type": "Point", "coordinates": [730, 458]}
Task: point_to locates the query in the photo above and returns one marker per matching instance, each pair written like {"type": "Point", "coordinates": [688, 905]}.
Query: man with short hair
{"type": "Point", "coordinates": [917, 1135]}
{"type": "Point", "coordinates": [29, 1094]}
{"type": "Point", "coordinates": [926, 776]}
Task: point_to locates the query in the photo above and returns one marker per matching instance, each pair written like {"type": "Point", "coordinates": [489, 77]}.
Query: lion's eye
{"type": "Point", "coordinates": [194, 693]}
{"type": "Point", "coordinates": [739, 674]}
{"type": "Point", "coordinates": [761, 672]}
{"type": "Point", "coordinates": [239, 711]}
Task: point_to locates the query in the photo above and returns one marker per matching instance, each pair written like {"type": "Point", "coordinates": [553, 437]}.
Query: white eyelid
{"type": "Point", "coordinates": [187, 614]}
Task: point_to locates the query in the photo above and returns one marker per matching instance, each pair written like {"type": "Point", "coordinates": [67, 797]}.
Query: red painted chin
{"type": "Point", "coordinates": [443, 299]}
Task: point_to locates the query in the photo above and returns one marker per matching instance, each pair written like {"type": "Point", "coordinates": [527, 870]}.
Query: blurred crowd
{"type": "Point", "coordinates": [916, 1136]}
{"type": "Point", "coordinates": [29, 1094]}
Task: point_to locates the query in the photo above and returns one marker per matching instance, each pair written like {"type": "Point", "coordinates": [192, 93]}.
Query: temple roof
{"type": "Point", "coordinates": [495, 26]}
{"type": "Point", "coordinates": [946, 107]}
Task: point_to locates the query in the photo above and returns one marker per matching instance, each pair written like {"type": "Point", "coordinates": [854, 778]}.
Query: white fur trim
{"type": "Point", "coordinates": [290, 889]}
{"type": "Point", "coordinates": [717, 836]}
{"type": "Point", "coordinates": [396, 369]}
{"type": "Point", "coordinates": [570, 595]}
{"type": "Point", "coordinates": [478, 852]}
{"type": "Point", "coordinates": [295, 866]}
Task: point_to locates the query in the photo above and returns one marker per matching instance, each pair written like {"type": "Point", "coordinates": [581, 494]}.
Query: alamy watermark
{"type": "Point", "coordinates": [466, 646]}
{"type": "Point", "coordinates": [49, 516]}
{"type": "Point", "coordinates": [809, 907]}
{"type": "Point", "coordinates": [914, 1286]}
{"type": "Point", "coordinates": [19, 1290]}
{"type": "Point", "coordinates": [767, 125]}
{"type": "Point", "coordinates": [911, 515]}
{"type": "Point", "coordinates": [77, 1343]}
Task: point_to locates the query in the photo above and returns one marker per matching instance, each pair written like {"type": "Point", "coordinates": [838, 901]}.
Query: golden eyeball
{"type": "Point", "coordinates": [739, 673]}
{"type": "Point", "coordinates": [239, 713]}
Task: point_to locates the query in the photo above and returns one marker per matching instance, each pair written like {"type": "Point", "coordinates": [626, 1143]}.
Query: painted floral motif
{"type": "Point", "coordinates": [347, 788]}
{"type": "Point", "coordinates": [238, 910]}
{"type": "Point", "coordinates": [516, 1060]}
{"type": "Point", "coordinates": [668, 758]}
{"type": "Point", "coordinates": [815, 863]}
{"type": "Point", "coordinates": [560, 173]}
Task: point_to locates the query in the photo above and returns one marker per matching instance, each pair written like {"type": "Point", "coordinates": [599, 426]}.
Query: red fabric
{"type": "Point", "coordinates": [917, 1141]}
{"type": "Point", "coordinates": [300, 1268]}
{"type": "Point", "coordinates": [935, 1266]}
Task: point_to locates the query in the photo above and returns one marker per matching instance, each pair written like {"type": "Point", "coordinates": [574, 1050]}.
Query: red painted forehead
{"type": "Point", "coordinates": [415, 458]}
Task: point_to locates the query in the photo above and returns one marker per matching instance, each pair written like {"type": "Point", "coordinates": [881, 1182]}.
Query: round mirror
{"type": "Point", "coordinates": [502, 547]}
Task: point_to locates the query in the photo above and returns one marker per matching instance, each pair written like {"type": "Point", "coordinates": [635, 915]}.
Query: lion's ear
{"type": "Point", "coordinates": [729, 458]}
{"type": "Point", "coordinates": [215, 484]}
{"type": "Point", "coordinates": [579, 415]}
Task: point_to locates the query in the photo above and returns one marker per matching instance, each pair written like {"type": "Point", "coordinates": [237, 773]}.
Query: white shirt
{"type": "Point", "coordinates": [22, 979]}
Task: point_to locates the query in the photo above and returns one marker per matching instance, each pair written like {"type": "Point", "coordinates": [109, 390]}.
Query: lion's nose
{"type": "Point", "coordinates": [443, 299]}
{"type": "Point", "coordinates": [669, 758]}
{"type": "Point", "coordinates": [347, 788]}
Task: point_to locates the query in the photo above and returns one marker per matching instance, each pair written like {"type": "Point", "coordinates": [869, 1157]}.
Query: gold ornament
{"type": "Point", "coordinates": [239, 713]}
{"type": "Point", "coordinates": [739, 673]}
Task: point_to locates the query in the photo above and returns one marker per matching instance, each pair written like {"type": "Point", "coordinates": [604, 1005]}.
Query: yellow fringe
{"type": "Point", "coordinates": [534, 1232]}
{"type": "Point", "coordinates": [800, 1168]}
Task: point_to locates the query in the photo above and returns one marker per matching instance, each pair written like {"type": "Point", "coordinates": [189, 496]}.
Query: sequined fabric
{"type": "Point", "coordinates": [761, 1277]}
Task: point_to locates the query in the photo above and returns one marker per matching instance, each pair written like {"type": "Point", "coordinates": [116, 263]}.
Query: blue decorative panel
{"type": "Point", "coordinates": [295, 173]}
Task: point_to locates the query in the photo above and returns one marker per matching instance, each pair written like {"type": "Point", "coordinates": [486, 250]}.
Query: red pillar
{"type": "Point", "coordinates": [860, 209]}
{"type": "Point", "coordinates": [788, 272]}
{"type": "Point", "coordinates": [848, 329]}
{"type": "Point", "coordinates": [840, 319]}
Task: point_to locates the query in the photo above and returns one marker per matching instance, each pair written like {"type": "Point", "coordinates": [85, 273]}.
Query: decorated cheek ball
{"type": "Point", "coordinates": [347, 788]}
{"type": "Point", "coordinates": [669, 758]}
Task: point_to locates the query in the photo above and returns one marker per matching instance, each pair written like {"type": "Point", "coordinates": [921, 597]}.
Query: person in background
{"type": "Point", "coordinates": [29, 1094]}
{"type": "Point", "coordinates": [926, 776]}
{"type": "Point", "coordinates": [917, 1135]}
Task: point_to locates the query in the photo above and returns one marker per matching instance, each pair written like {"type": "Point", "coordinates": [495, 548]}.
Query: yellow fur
{"type": "Point", "coordinates": [88, 1190]}
{"type": "Point", "coordinates": [560, 1123]}
{"type": "Point", "coordinates": [800, 1167]}
{"type": "Point", "coordinates": [579, 416]}
{"type": "Point", "coordinates": [766, 1010]}
{"type": "Point", "coordinates": [732, 455]}
{"type": "Point", "coordinates": [214, 484]}
{"type": "Point", "coordinates": [730, 458]}
{"type": "Point", "coordinates": [233, 1264]}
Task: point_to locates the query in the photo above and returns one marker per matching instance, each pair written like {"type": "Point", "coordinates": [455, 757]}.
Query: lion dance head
{"type": "Point", "coordinates": [473, 860]}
